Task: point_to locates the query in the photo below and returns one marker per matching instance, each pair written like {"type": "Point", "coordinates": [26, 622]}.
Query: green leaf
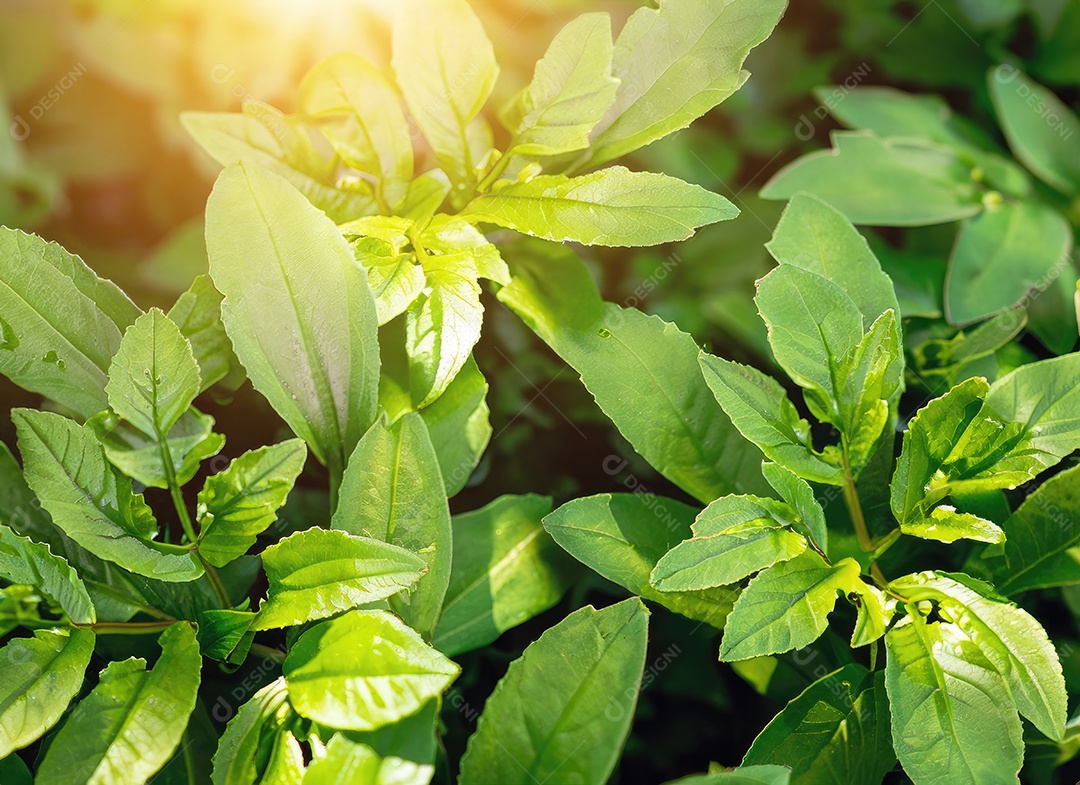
{"type": "Point", "coordinates": [951, 710]}
{"type": "Point", "coordinates": [307, 335]}
{"type": "Point", "coordinates": [197, 312]}
{"type": "Point", "coordinates": [14, 771]}
{"type": "Point", "coordinates": [813, 327]}
{"type": "Point", "coordinates": [450, 234]}
{"type": "Point", "coordinates": [242, 754]}
{"type": "Point", "coordinates": [506, 569]}
{"type": "Point", "coordinates": [978, 437]}
{"type": "Point", "coordinates": [41, 676]}
{"type": "Point", "coordinates": [265, 139]}
{"type": "Point", "coordinates": [359, 112]}
{"type": "Point", "coordinates": [347, 761]}
{"type": "Point", "coordinates": [734, 537]}
{"type": "Point", "coordinates": [809, 516]}
{"type": "Point", "coordinates": [459, 427]}
{"type": "Point", "coordinates": [127, 728]}
{"type": "Point", "coordinates": [612, 207]}
{"type": "Point", "coordinates": [885, 182]}
{"type": "Point", "coordinates": [318, 573]}
{"type": "Point", "coordinates": [785, 607]}
{"type": "Point", "coordinates": [445, 66]}
{"type": "Point", "coordinates": [835, 733]}
{"type": "Point", "coordinates": [762, 412]}
{"type": "Point", "coordinates": [364, 670]}
{"type": "Point", "coordinates": [1001, 256]}
{"type": "Point", "coordinates": [61, 324]}
{"type": "Point", "coordinates": [642, 371]}
{"type": "Point", "coordinates": [191, 441]}
{"type": "Point", "coordinates": [623, 536]}
{"type": "Point", "coordinates": [945, 524]}
{"type": "Point", "coordinates": [396, 280]}
{"type": "Point", "coordinates": [743, 775]}
{"type": "Point", "coordinates": [443, 324]}
{"type": "Point", "coordinates": [817, 238]}
{"type": "Point", "coordinates": [154, 376]}
{"type": "Point", "coordinates": [393, 491]}
{"type": "Point", "coordinates": [1010, 639]}
{"type": "Point", "coordinates": [676, 62]}
{"type": "Point", "coordinates": [238, 504]}
{"type": "Point", "coordinates": [226, 635]}
{"type": "Point", "coordinates": [23, 561]}
{"type": "Point", "coordinates": [1040, 542]}
{"type": "Point", "coordinates": [565, 707]}
{"type": "Point", "coordinates": [91, 502]}
{"type": "Point", "coordinates": [570, 92]}
{"type": "Point", "coordinates": [1038, 127]}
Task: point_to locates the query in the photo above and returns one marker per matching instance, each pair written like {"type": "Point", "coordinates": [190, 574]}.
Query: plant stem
{"type": "Point", "coordinates": [854, 506]}
{"type": "Point", "coordinates": [174, 488]}
{"type": "Point", "coordinates": [215, 582]}
{"type": "Point", "coordinates": [125, 627]}
{"type": "Point", "coordinates": [267, 652]}
{"type": "Point", "coordinates": [496, 171]}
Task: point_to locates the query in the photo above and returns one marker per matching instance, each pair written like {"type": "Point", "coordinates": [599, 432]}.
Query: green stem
{"type": "Point", "coordinates": [496, 171]}
{"type": "Point", "coordinates": [174, 489]}
{"type": "Point", "coordinates": [267, 653]}
{"type": "Point", "coordinates": [102, 588]}
{"type": "Point", "coordinates": [125, 627]}
{"type": "Point", "coordinates": [854, 506]}
{"type": "Point", "coordinates": [215, 582]}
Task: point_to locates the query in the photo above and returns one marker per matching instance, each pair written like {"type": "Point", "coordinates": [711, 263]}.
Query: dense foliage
{"type": "Point", "coordinates": [872, 523]}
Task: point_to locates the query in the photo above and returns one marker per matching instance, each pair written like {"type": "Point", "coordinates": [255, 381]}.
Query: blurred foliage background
{"type": "Point", "coordinates": [92, 155]}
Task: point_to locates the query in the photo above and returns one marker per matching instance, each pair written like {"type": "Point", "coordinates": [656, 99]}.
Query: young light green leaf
{"type": "Point", "coordinates": [762, 412]}
{"type": "Point", "coordinates": [642, 371]}
{"type": "Point", "coordinates": [623, 536]}
{"type": "Point", "coordinates": [1010, 639]}
{"type": "Point", "coordinates": [451, 234]}
{"type": "Point", "coordinates": [785, 607]}
{"type": "Point", "coordinates": [264, 139]}
{"type": "Point", "coordinates": [1002, 255]}
{"type": "Point", "coordinates": [835, 733]}
{"type": "Point", "coordinates": [870, 381]}
{"type": "Point", "coordinates": [506, 569]}
{"type": "Point", "coordinates": [307, 335]}
{"type": "Point", "coordinates": [809, 515]}
{"type": "Point", "coordinates": [191, 441]}
{"type": "Point", "coordinates": [396, 279]}
{"type": "Point", "coordinates": [197, 312]}
{"type": "Point", "coordinates": [23, 561]}
{"type": "Point", "coordinates": [446, 68]}
{"type": "Point", "coordinates": [875, 612]}
{"type": "Point", "coordinates": [885, 182]}
{"type": "Point", "coordinates": [1040, 539]}
{"type": "Point", "coordinates": [154, 376]}
{"type": "Point", "coordinates": [674, 64]}
{"type": "Point", "coordinates": [564, 708]}
{"type": "Point", "coordinates": [951, 710]}
{"type": "Point", "coordinates": [318, 573]}
{"type": "Point", "coordinates": [981, 437]}
{"type": "Point", "coordinates": [129, 725]}
{"type": "Point", "coordinates": [1038, 127]}
{"type": "Point", "coordinates": [241, 756]}
{"type": "Point", "coordinates": [570, 92]}
{"type": "Point", "coordinates": [359, 112]}
{"type": "Point", "coordinates": [393, 491]}
{"type": "Point", "coordinates": [945, 524]}
{"type": "Point", "coordinates": [41, 676]}
{"type": "Point", "coordinates": [238, 504]}
{"type": "Point", "coordinates": [364, 670]}
{"type": "Point", "coordinates": [817, 238]}
{"type": "Point", "coordinates": [612, 207]}
{"type": "Point", "coordinates": [346, 761]}
{"type": "Point", "coordinates": [443, 324]}
{"type": "Point", "coordinates": [91, 502]}
{"type": "Point", "coordinates": [61, 324]}
{"type": "Point", "coordinates": [734, 537]}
